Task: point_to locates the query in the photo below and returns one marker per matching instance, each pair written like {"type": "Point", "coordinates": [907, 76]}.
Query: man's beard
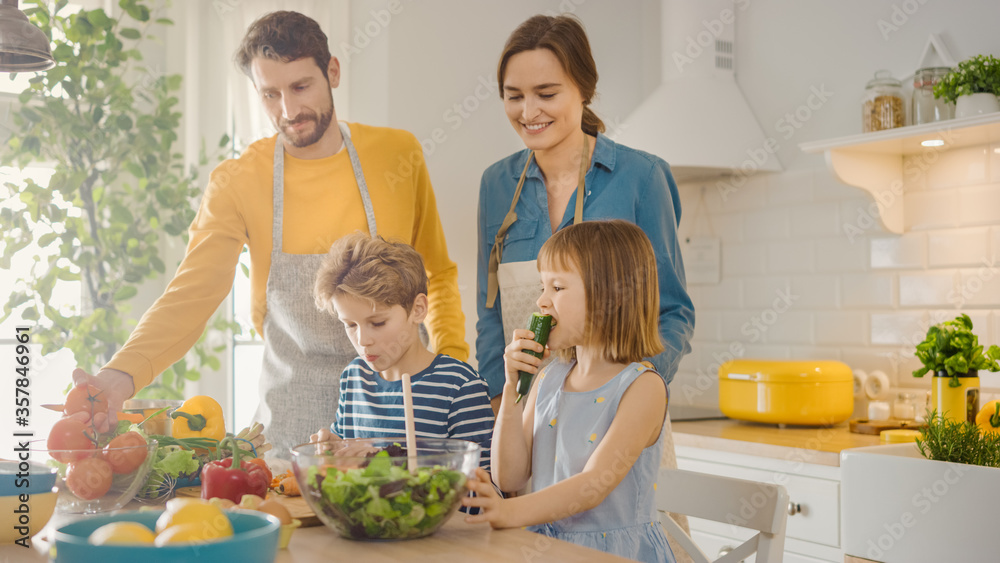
{"type": "Point", "coordinates": [305, 139]}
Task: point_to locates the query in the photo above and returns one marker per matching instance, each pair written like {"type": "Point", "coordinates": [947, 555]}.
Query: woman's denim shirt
{"type": "Point", "coordinates": [622, 183]}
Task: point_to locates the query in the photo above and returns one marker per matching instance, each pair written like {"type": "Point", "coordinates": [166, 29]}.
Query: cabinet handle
{"type": "Point", "coordinates": [794, 508]}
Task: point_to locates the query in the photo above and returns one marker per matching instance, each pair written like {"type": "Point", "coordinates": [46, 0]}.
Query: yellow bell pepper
{"type": "Point", "coordinates": [199, 417]}
{"type": "Point", "coordinates": [988, 419]}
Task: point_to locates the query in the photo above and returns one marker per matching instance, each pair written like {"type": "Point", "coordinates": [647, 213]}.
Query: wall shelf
{"type": "Point", "coordinates": [874, 161]}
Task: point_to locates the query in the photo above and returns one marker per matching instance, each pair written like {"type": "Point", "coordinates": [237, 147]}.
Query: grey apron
{"type": "Point", "coordinates": [305, 349]}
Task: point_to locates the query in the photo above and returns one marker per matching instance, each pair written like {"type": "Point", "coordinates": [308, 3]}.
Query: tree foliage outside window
{"type": "Point", "coordinates": [107, 123]}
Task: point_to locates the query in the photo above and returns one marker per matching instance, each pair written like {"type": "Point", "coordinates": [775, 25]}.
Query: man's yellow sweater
{"type": "Point", "coordinates": [322, 204]}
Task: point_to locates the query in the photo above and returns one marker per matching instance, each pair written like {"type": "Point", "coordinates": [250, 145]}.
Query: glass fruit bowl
{"type": "Point", "coordinates": [369, 489]}
{"type": "Point", "coordinates": [99, 480]}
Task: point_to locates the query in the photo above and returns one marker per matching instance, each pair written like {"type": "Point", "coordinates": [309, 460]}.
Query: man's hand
{"type": "Point", "coordinates": [491, 505]}
{"type": "Point", "coordinates": [116, 385]}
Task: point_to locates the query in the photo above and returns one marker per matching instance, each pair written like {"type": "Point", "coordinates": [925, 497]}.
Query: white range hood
{"type": "Point", "coordinates": [697, 119]}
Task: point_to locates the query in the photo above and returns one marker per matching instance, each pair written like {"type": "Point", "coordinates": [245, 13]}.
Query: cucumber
{"type": "Point", "coordinates": [540, 325]}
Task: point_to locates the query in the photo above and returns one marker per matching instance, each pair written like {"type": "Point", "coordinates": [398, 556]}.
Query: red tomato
{"type": "Point", "coordinates": [125, 452]}
{"type": "Point", "coordinates": [86, 398]}
{"type": "Point", "coordinates": [69, 434]}
{"type": "Point", "coordinates": [89, 478]}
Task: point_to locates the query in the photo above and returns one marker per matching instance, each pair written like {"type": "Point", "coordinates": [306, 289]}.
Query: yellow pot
{"type": "Point", "coordinates": [814, 392]}
{"type": "Point", "coordinates": [956, 403]}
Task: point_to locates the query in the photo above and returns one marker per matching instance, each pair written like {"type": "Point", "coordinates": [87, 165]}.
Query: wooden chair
{"type": "Point", "coordinates": [725, 499]}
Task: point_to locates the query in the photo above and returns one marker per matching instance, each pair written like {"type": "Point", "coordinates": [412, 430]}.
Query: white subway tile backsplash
{"type": "Point", "coordinates": [790, 187]}
{"type": "Point", "coordinates": [871, 358]}
{"type": "Point", "coordinates": [963, 247]}
{"type": "Point", "coordinates": [714, 355]}
{"type": "Point", "coordinates": [768, 352]}
{"type": "Point", "coordinates": [828, 188]}
{"type": "Point", "coordinates": [815, 220]}
{"type": "Point", "coordinates": [706, 326]}
{"type": "Point", "coordinates": [995, 162]}
{"type": "Point", "coordinates": [846, 328]}
{"type": "Point", "coordinates": [744, 259]}
{"type": "Point", "coordinates": [979, 205]}
{"type": "Point", "coordinates": [860, 217]}
{"type": "Point", "coordinates": [770, 224]}
{"type": "Point", "coordinates": [914, 172]}
{"type": "Point", "coordinates": [767, 292]}
{"type": "Point", "coordinates": [898, 328]}
{"type": "Point", "coordinates": [737, 326]}
{"type": "Point", "coordinates": [789, 327]}
{"type": "Point", "coordinates": [867, 290]}
{"type": "Point", "coordinates": [815, 292]}
{"type": "Point", "coordinates": [994, 245]}
{"type": "Point", "coordinates": [978, 287]}
{"type": "Point", "coordinates": [930, 210]}
{"type": "Point", "coordinates": [926, 289]}
{"type": "Point", "coordinates": [982, 321]}
{"type": "Point", "coordinates": [723, 295]}
{"type": "Point", "coordinates": [957, 167]}
{"type": "Point", "coordinates": [908, 250]}
{"type": "Point", "coordinates": [691, 388]}
{"type": "Point", "coordinates": [840, 254]}
{"type": "Point", "coordinates": [795, 256]}
{"type": "Point", "coordinates": [752, 195]}
{"type": "Point", "coordinates": [815, 353]}
{"type": "Point", "coordinates": [726, 226]}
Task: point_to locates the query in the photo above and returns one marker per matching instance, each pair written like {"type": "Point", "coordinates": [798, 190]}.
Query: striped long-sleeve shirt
{"type": "Point", "coordinates": [450, 400]}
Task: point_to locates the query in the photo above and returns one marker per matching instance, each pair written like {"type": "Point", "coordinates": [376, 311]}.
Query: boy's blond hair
{"type": "Point", "coordinates": [383, 272]}
{"type": "Point", "coordinates": [618, 267]}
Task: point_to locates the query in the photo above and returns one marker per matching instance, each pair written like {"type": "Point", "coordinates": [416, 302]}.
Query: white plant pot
{"type": "Point", "coordinates": [975, 104]}
{"type": "Point", "coordinates": [899, 507]}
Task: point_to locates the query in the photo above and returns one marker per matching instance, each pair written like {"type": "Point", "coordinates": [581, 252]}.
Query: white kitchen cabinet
{"type": "Point", "coordinates": [812, 534]}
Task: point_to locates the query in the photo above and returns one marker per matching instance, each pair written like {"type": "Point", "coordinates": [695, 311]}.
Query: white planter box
{"type": "Point", "coordinates": [898, 506]}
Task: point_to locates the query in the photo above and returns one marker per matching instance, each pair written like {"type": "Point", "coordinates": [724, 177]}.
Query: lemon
{"type": "Point", "coordinates": [191, 532]}
{"type": "Point", "coordinates": [121, 532]}
{"type": "Point", "coordinates": [195, 511]}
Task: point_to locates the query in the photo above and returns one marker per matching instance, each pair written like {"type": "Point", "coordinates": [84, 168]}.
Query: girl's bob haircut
{"type": "Point", "coordinates": [616, 262]}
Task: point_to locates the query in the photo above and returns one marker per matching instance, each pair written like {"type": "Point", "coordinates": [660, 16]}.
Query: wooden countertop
{"type": "Point", "coordinates": [809, 444]}
{"type": "Point", "coordinates": [455, 541]}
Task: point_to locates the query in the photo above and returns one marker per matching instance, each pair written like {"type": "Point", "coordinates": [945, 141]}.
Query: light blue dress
{"type": "Point", "coordinates": [568, 428]}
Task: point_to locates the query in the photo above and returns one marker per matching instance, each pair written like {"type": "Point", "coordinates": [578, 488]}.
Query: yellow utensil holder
{"type": "Point", "coordinates": [956, 403]}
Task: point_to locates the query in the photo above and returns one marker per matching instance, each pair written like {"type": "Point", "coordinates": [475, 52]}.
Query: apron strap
{"type": "Point", "coordinates": [496, 252]}
{"type": "Point", "coordinates": [359, 176]}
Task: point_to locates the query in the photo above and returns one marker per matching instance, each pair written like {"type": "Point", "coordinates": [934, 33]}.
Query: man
{"type": "Point", "coordinates": [288, 198]}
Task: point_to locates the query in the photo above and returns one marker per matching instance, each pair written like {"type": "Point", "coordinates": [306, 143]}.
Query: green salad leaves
{"type": "Point", "coordinates": [951, 346]}
{"type": "Point", "coordinates": [386, 501]}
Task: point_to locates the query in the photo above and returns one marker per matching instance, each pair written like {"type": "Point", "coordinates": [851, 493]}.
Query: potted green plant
{"type": "Point", "coordinates": [952, 353]}
{"type": "Point", "coordinates": [973, 86]}
{"type": "Point", "coordinates": [105, 122]}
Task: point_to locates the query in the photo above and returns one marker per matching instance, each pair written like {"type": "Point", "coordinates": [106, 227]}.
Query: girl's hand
{"type": "Point", "coordinates": [515, 360]}
{"type": "Point", "coordinates": [490, 503]}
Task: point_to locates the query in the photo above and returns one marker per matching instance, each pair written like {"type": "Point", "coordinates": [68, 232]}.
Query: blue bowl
{"type": "Point", "coordinates": [40, 479]}
{"type": "Point", "coordinates": [254, 540]}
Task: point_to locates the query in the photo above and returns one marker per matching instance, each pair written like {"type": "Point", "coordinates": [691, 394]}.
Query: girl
{"type": "Point", "coordinates": [569, 172]}
{"type": "Point", "coordinates": [591, 432]}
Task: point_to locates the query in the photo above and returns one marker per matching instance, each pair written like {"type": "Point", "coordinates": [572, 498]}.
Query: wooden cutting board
{"type": "Point", "coordinates": [297, 506]}
{"type": "Point", "coordinates": [875, 427]}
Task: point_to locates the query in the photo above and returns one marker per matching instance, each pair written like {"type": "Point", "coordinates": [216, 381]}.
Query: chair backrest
{"type": "Point", "coordinates": [747, 504]}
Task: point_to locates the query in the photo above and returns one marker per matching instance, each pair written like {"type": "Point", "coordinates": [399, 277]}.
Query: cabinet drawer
{"type": "Point", "coordinates": [818, 500]}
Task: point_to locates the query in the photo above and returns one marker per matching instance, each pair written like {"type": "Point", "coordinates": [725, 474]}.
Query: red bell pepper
{"type": "Point", "coordinates": [231, 478]}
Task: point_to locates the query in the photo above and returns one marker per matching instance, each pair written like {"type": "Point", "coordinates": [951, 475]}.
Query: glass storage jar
{"type": "Point", "coordinates": [924, 107]}
{"type": "Point", "coordinates": [883, 106]}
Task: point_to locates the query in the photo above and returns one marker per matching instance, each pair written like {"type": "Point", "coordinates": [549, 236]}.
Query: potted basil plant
{"type": "Point", "coordinates": [973, 86]}
{"type": "Point", "coordinates": [952, 353]}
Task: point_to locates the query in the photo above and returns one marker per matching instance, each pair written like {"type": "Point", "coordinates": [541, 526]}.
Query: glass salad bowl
{"type": "Point", "coordinates": [99, 480]}
{"type": "Point", "coordinates": [369, 489]}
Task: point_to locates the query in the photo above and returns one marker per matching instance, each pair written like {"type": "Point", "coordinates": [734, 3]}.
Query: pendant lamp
{"type": "Point", "coordinates": [23, 47]}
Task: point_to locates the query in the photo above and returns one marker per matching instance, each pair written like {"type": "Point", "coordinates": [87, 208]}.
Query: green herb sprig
{"type": "Point", "coordinates": [948, 440]}
{"type": "Point", "coordinates": [951, 346]}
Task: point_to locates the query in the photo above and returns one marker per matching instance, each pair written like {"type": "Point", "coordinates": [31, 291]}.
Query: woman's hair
{"type": "Point", "coordinates": [565, 37]}
{"type": "Point", "coordinates": [283, 36]}
{"type": "Point", "coordinates": [385, 273]}
{"type": "Point", "coordinates": [616, 262]}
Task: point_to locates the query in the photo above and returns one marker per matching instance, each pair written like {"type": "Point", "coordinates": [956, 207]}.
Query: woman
{"type": "Point", "coordinates": [569, 172]}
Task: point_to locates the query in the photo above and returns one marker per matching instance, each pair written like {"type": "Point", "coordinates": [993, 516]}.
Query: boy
{"type": "Point", "coordinates": [378, 289]}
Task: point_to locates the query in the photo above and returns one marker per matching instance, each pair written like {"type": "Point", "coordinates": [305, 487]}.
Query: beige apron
{"type": "Point", "coordinates": [518, 283]}
{"type": "Point", "coordinates": [305, 349]}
